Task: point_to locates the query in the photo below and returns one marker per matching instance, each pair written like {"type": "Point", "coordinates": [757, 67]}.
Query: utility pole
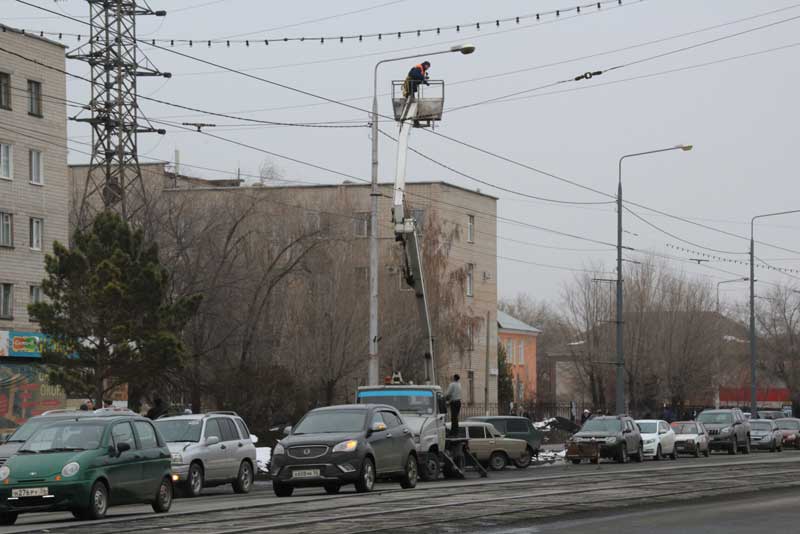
{"type": "Point", "coordinates": [114, 174]}
{"type": "Point", "coordinates": [728, 282]}
{"type": "Point", "coordinates": [486, 382]}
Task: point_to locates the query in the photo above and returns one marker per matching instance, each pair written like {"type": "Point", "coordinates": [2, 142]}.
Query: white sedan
{"type": "Point", "coordinates": [658, 439]}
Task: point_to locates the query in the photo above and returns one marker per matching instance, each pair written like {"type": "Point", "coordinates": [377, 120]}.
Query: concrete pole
{"type": "Point", "coordinates": [753, 391]}
{"type": "Point", "coordinates": [374, 360]}
{"type": "Point", "coordinates": [620, 390]}
{"type": "Point", "coordinates": [486, 383]}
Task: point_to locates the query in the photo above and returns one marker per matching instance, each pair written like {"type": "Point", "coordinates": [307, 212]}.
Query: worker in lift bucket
{"type": "Point", "coordinates": [416, 76]}
{"type": "Point", "coordinates": [453, 396]}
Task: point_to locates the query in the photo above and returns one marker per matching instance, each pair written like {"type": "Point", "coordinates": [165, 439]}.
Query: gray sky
{"type": "Point", "coordinates": [740, 115]}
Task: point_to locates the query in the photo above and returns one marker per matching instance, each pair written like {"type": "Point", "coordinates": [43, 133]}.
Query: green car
{"type": "Point", "coordinates": [84, 465]}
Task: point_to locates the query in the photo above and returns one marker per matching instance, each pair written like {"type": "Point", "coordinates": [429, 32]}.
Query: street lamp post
{"type": "Point", "coordinates": [728, 282]}
{"type": "Point", "coordinates": [374, 367]}
{"type": "Point", "coordinates": [620, 389]}
{"type": "Point", "coordinates": [753, 391]}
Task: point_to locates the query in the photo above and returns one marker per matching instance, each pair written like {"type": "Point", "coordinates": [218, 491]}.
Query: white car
{"type": "Point", "coordinates": [658, 439]}
{"type": "Point", "coordinates": [691, 437]}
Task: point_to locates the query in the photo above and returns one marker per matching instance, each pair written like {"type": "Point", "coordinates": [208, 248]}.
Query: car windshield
{"type": "Point", "coordinates": [760, 425]}
{"type": "Point", "coordinates": [330, 421]}
{"type": "Point", "coordinates": [650, 427]}
{"type": "Point", "coordinates": [25, 431]}
{"type": "Point", "coordinates": [684, 428]}
{"type": "Point", "coordinates": [715, 418]}
{"type": "Point", "coordinates": [601, 425]}
{"type": "Point", "coordinates": [65, 436]}
{"type": "Point", "coordinates": [788, 425]}
{"type": "Point", "coordinates": [416, 401]}
{"type": "Point", "coordinates": [175, 430]}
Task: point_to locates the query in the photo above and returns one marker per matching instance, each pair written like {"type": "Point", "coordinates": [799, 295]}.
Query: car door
{"type": "Point", "coordinates": [479, 443]}
{"type": "Point", "coordinates": [398, 435]}
{"type": "Point", "coordinates": [231, 447]}
{"type": "Point", "coordinates": [214, 454]}
{"type": "Point", "coordinates": [154, 458]}
{"type": "Point", "coordinates": [702, 437]}
{"type": "Point", "coordinates": [124, 470]}
{"type": "Point", "coordinates": [667, 437]}
{"type": "Point", "coordinates": [380, 441]}
{"type": "Point", "coordinates": [516, 428]}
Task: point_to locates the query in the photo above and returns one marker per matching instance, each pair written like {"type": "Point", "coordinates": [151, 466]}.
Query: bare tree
{"type": "Point", "coordinates": [778, 325]}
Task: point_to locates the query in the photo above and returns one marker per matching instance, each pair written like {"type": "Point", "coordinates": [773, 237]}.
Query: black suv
{"type": "Point", "coordinates": [349, 444]}
{"type": "Point", "coordinates": [606, 436]}
{"type": "Point", "coordinates": [729, 430]}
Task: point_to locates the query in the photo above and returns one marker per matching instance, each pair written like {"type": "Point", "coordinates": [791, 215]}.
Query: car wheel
{"type": "Point", "coordinates": [707, 452]}
{"type": "Point", "coordinates": [639, 456]}
{"type": "Point", "coordinates": [697, 451]}
{"type": "Point", "coordinates": [332, 489]}
{"type": "Point", "coordinates": [366, 478]}
{"type": "Point", "coordinates": [498, 461]}
{"type": "Point", "coordinates": [525, 460]}
{"type": "Point", "coordinates": [163, 500]}
{"type": "Point", "coordinates": [194, 480]}
{"type": "Point", "coordinates": [282, 490]}
{"type": "Point", "coordinates": [623, 454]}
{"type": "Point", "coordinates": [429, 470]}
{"type": "Point", "coordinates": [734, 448]}
{"type": "Point", "coordinates": [674, 455]}
{"type": "Point", "coordinates": [8, 518]}
{"type": "Point", "coordinates": [409, 479]}
{"type": "Point", "coordinates": [780, 447]}
{"type": "Point", "coordinates": [98, 502]}
{"type": "Point", "coordinates": [244, 480]}
{"type": "Point", "coordinates": [576, 461]}
{"type": "Point", "coordinates": [658, 455]}
{"type": "Point", "coordinates": [746, 448]}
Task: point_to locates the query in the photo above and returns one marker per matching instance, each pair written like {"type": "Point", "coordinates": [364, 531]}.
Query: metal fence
{"type": "Point", "coordinates": [474, 410]}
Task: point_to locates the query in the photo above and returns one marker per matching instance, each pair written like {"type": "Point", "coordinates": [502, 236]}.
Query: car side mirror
{"type": "Point", "coordinates": [212, 440]}
{"type": "Point", "coordinates": [377, 427]}
{"type": "Point", "coordinates": [253, 438]}
{"type": "Point", "coordinates": [287, 430]}
{"type": "Point", "coordinates": [627, 431]}
{"type": "Point", "coordinates": [122, 447]}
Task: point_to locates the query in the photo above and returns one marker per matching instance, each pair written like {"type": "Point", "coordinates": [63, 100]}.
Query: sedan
{"type": "Point", "coordinates": [691, 437]}
{"type": "Point", "coordinates": [790, 428]}
{"type": "Point", "coordinates": [765, 434]}
{"type": "Point", "coordinates": [349, 444]}
{"type": "Point", "coordinates": [658, 439]}
{"type": "Point", "coordinates": [492, 448]}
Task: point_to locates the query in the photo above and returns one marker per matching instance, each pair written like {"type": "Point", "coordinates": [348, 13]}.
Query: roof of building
{"type": "Point", "coordinates": [5, 28]}
{"type": "Point", "coordinates": [507, 322]}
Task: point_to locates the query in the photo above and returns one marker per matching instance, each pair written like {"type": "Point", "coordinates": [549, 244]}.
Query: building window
{"type": "Point", "coordinates": [5, 90]}
{"type": "Point", "coordinates": [510, 352]}
{"type": "Point", "coordinates": [521, 354]}
{"type": "Point", "coordinates": [34, 98]}
{"type": "Point", "coordinates": [6, 166]}
{"type": "Point", "coordinates": [471, 228]}
{"type": "Point", "coordinates": [6, 229]}
{"type": "Point", "coordinates": [470, 279]}
{"type": "Point", "coordinates": [361, 224]}
{"type": "Point", "coordinates": [6, 299]}
{"type": "Point", "coordinates": [419, 219]}
{"type": "Point", "coordinates": [36, 294]}
{"type": "Point", "coordinates": [36, 163]}
{"type": "Point", "coordinates": [37, 228]}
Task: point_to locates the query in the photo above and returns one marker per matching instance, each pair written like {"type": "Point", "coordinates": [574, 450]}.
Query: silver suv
{"type": "Point", "coordinates": [209, 450]}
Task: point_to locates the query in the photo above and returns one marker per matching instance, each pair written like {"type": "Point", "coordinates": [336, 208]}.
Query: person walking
{"type": "Point", "coordinates": [453, 396]}
{"type": "Point", "coordinates": [416, 76]}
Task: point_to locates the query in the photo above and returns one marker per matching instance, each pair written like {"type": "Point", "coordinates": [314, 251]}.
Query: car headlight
{"type": "Point", "coordinates": [4, 472]}
{"type": "Point", "coordinates": [278, 450]}
{"type": "Point", "coordinates": [726, 430]}
{"type": "Point", "coordinates": [177, 458]}
{"type": "Point", "coordinates": [346, 446]}
{"type": "Point", "coordinates": [650, 441]}
{"type": "Point", "coordinates": [611, 439]}
{"type": "Point", "coordinates": [416, 438]}
{"type": "Point", "coordinates": [71, 469]}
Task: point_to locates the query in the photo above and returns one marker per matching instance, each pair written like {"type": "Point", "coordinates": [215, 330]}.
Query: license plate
{"type": "Point", "coordinates": [29, 492]}
{"type": "Point", "coordinates": [305, 473]}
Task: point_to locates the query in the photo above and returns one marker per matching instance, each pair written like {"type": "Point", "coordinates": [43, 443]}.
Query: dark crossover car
{"type": "Point", "coordinates": [728, 429]}
{"type": "Point", "coordinates": [606, 436]}
{"type": "Point", "coordinates": [771, 414]}
{"type": "Point", "coordinates": [84, 465]}
{"type": "Point", "coordinates": [516, 428]}
{"type": "Point", "coordinates": [765, 434]}
{"type": "Point", "coordinates": [348, 444]}
{"type": "Point", "coordinates": [790, 428]}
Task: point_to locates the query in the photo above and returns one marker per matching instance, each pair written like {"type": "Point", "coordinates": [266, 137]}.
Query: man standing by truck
{"type": "Point", "coordinates": [453, 396]}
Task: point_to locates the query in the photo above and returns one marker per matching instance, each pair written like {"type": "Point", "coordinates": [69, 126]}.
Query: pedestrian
{"type": "Point", "coordinates": [453, 396]}
{"type": "Point", "coordinates": [89, 404]}
{"type": "Point", "coordinates": [83, 407]}
{"type": "Point", "coordinates": [586, 415]}
{"type": "Point", "coordinates": [158, 409]}
{"type": "Point", "coordinates": [108, 403]}
{"type": "Point", "coordinates": [416, 76]}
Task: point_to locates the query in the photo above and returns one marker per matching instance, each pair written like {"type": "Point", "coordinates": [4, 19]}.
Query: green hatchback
{"type": "Point", "coordinates": [85, 465]}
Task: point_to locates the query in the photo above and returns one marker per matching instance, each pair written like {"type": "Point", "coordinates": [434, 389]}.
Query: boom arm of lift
{"type": "Point", "coordinates": [405, 231]}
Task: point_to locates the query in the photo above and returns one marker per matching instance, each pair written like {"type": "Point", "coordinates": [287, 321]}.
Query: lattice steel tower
{"type": "Point", "coordinates": [114, 180]}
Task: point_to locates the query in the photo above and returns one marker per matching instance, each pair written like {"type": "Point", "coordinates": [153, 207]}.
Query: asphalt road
{"type": "Point", "coordinates": [518, 498]}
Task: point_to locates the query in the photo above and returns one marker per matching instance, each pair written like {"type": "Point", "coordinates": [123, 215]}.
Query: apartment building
{"type": "Point", "coordinates": [33, 208]}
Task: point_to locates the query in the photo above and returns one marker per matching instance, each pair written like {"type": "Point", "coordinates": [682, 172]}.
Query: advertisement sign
{"type": "Point", "coordinates": [24, 393]}
{"type": "Point", "coordinates": [26, 344]}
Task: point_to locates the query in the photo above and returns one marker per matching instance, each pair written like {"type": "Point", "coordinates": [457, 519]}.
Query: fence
{"type": "Point", "coordinates": [478, 409]}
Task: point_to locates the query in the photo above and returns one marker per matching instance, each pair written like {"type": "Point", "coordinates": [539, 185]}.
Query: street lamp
{"type": "Point", "coordinates": [620, 393]}
{"type": "Point", "coordinates": [728, 282]}
{"type": "Point", "coordinates": [753, 399]}
{"type": "Point", "coordinates": [374, 367]}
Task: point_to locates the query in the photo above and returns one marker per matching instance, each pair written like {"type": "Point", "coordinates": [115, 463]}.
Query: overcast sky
{"type": "Point", "coordinates": [740, 115]}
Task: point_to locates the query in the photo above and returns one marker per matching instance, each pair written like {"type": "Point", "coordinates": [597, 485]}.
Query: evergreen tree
{"type": "Point", "coordinates": [505, 381]}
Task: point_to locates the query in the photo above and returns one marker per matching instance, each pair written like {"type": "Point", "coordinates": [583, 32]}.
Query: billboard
{"type": "Point", "coordinates": [24, 393]}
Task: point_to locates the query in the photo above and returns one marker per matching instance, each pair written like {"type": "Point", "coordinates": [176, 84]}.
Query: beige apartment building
{"type": "Point", "coordinates": [33, 211]}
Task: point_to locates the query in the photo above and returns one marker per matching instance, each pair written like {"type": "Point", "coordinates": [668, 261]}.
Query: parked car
{"type": "Point", "coordinates": [691, 437]}
{"type": "Point", "coordinates": [491, 448]}
{"type": "Point", "coordinates": [658, 439]}
{"type": "Point", "coordinates": [765, 434]}
{"type": "Point", "coordinates": [516, 428]}
{"type": "Point", "coordinates": [84, 465]}
{"type": "Point", "coordinates": [348, 444]}
{"type": "Point", "coordinates": [606, 436]}
{"type": "Point", "coordinates": [728, 428]}
{"type": "Point", "coordinates": [790, 428]}
{"type": "Point", "coordinates": [210, 450]}
{"type": "Point", "coordinates": [771, 414]}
